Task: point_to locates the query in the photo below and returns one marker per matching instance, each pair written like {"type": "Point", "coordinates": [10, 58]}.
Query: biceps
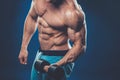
{"type": "Point", "coordinates": [78, 38]}
{"type": "Point", "coordinates": [32, 12]}
{"type": "Point", "coordinates": [71, 34]}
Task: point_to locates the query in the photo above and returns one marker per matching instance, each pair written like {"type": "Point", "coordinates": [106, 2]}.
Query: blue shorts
{"type": "Point", "coordinates": [35, 75]}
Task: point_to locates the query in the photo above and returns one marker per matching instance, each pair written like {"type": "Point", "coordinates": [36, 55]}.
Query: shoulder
{"type": "Point", "coordinates": [75, 10]}
{"type": "Point", "coordinates": [39, 2]}
{"type": "Point", "coordinates": [75, 17]}
{"type": "Point", "coordinates": [39, 6]}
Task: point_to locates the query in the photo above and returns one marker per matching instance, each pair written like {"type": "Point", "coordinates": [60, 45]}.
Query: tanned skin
{"type": "Point", "coordinates": [57, 22]}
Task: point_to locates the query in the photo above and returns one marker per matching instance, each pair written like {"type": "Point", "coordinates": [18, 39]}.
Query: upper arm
{"type": "Point", "coordinates": [32, 12]}
{"type": "Point", "coordinates": [31, 19]}
{"type": "Point", "coordinates": [77, 29]}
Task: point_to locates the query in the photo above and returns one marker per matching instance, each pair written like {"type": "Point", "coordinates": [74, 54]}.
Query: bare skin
{"type": "Point", "coordinates": [56, 24]}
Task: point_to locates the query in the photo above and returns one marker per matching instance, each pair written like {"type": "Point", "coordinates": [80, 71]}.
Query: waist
{"type": "Point", "coordinates": [53, 52]}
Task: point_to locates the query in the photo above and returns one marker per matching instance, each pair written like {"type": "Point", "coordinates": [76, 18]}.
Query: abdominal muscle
{"type": "Point", "coordinates": [51, 39]}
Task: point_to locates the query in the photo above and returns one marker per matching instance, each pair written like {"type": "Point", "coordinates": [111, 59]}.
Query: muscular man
{"type": "Point", "coordinates": [57, 21]}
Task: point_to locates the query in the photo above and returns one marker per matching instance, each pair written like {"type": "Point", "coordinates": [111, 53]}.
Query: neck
{"type": "Point", "coordinates": [56, 3]}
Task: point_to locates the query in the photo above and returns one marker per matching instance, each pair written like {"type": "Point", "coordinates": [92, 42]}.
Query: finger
{"type": "Point", "coordinates": [46, 68]}
{"type": "Point", "coordinates": [21, 60]}
{"type": "Point", "coordinates": [25, 60]}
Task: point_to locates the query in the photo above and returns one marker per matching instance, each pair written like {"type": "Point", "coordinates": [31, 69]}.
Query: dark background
{"type": "Point", "coordinates": [101, 60]}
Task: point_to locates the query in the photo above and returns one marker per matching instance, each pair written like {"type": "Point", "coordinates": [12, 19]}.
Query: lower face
{"type": "Point", "coordinates": [53, 1]}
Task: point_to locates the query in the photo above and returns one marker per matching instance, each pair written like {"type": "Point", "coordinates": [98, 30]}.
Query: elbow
{"type": "Point", "coordinates": [72, 58]}
{"type": "Point", "coordinates": [29, 29]}
{"type": "Point", "coordinates": [30, 25]}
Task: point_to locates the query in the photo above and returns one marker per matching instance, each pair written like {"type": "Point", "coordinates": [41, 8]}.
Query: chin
{"type": "Point", "coordinates": [54, 1]}
{"type": "Point", "coordinates": [57, 2]}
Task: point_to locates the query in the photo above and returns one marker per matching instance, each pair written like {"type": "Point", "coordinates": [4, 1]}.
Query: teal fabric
{"type": "Point", "coordinates": [35, 75]}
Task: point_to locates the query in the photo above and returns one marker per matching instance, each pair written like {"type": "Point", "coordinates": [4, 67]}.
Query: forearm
{"type": "Point", "coordinates": [29, 29]}
{"type": "Point", "coordinates": [71, 55]}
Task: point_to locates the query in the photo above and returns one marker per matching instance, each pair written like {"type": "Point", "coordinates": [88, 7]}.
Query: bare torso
{"type": "Point", "coordinates": [57, 21]}
{"type": "Point", "coordinates": [52, 25]}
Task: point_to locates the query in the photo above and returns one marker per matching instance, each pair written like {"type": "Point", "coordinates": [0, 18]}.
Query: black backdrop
{"type": "Point", "coordinates": [101, 60]}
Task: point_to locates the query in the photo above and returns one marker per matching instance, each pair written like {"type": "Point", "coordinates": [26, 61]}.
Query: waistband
{"type": "Point", "coordinates": [53, 52]}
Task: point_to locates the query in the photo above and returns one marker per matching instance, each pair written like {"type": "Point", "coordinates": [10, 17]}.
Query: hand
{"type": "Point", "coordinates": [46, 68]}
{"type": "Point", "coordinates": [23, 56]}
